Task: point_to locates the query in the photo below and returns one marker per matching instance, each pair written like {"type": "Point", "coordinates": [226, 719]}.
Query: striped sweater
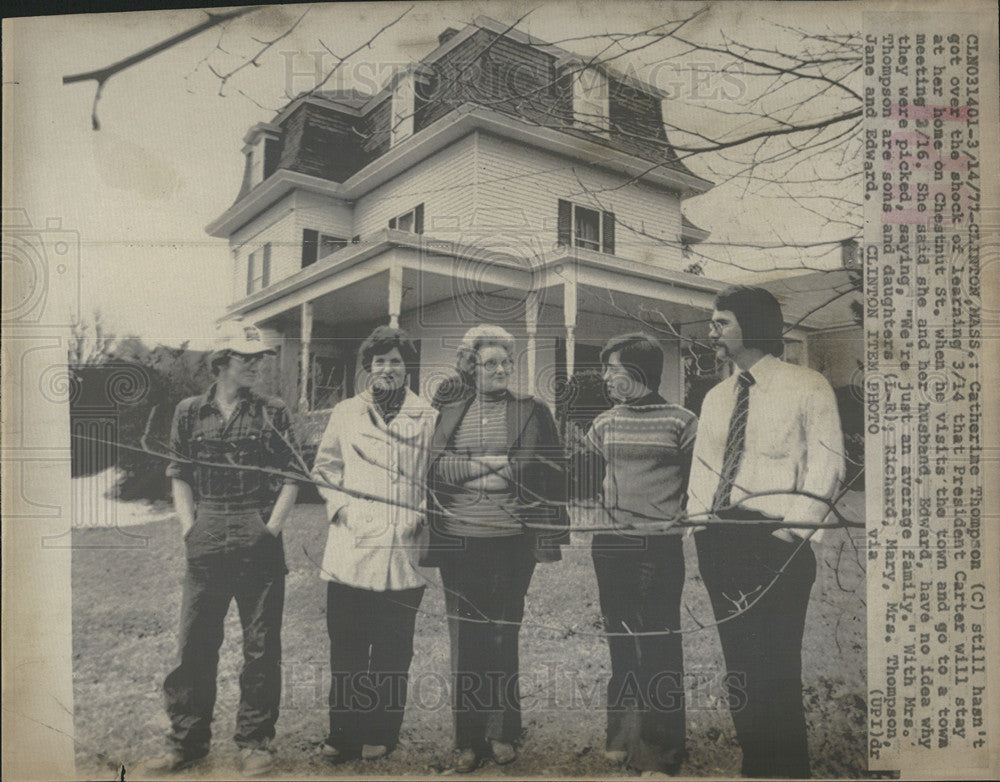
{"type": "Point", "coordinates": [482, 502]}
{"type": "Point", "coordinates": [646, 447]}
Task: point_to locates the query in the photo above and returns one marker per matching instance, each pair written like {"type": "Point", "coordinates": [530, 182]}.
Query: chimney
{"type": "Point", "coordinates": [446, 35]}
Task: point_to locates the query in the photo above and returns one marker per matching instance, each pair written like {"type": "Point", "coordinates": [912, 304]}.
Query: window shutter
{"type": "Point", "coordinates": [608, 233]}
{"type": "Point", "coordinates": [418, 219]}
{"type": "Point", "coordinates": [310, 246]}
{"type": "Point", "coordinates": [265, 267]}
{"type": "Point", "coordinates": [250, 264]}
{"type": "Point", "coordinates": [392, 223]}
{"type": "Point", "coordinates": [564, 225]}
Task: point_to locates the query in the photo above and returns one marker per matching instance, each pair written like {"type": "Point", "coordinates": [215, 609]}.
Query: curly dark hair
{"type": "Point", "coordinates": [382, 340]}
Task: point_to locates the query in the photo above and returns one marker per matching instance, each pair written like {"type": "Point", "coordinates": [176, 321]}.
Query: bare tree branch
{"type": "Point", "coordinates": [102, 75]}
{"type": "Point", "coordinates": [341, 60]}
{"type": "Point", "coordinates": [255, 60]}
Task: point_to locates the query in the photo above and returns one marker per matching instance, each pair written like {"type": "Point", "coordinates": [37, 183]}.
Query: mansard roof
{"type": "Point", "coordinates": [445, 131]}
{"type": "Point", "coordinates": [333, 134]}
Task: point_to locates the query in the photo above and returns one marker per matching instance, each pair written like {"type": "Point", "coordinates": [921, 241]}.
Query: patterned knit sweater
{"type": "Point", "coordinates": [646, 447]}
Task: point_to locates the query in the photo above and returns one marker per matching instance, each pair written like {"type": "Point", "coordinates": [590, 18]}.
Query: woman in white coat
{"type": "Point", "coordinates": [376, 447]}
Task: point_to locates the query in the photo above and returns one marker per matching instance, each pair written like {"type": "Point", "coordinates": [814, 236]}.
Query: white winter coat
{"type": "Point", "coordinates": [374, 544]}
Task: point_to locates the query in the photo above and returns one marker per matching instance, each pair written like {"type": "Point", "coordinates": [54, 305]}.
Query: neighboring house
{"type": "Point", "coordinates": [499, 180]}
{"type": "Point", "coordinates": [834, 339]}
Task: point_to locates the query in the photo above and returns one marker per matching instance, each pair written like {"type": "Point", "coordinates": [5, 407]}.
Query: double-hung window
{"type": "Point", "coordinates": [411, 222]}
{"type": "Point", "coordinates": [581, 226]}
{"type": "Point", "coordinates": [316, 246]}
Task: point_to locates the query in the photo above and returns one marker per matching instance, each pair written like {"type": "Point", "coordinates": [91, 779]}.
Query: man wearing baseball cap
{"type": "Point", "coordinates": [231, 519]}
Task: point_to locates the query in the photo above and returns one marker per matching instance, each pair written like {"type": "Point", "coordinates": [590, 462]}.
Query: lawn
{"type": "Point", "coordinates": [126, 605]}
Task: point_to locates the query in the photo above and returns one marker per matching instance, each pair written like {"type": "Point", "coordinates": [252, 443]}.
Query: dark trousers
{"type": "Point", "coordinates": [640, 580]}
{"type": "Point", "coordinates": [763, 645]}
{"type": "Point", "coordinates": [487, 580]}
{"type": "Point", "coordinates": [228, 556]}
{"type": "Point", "coordinates": [371, 646]}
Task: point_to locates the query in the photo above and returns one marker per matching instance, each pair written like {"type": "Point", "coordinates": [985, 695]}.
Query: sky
{"type": "Point", "coordinates": [131, 200]}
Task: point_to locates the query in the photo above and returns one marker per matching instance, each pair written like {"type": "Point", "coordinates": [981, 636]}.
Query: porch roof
{"type": "Point", "coordinates": [423, 254]}
{"type": "Point", "coordinates": [819, 300]}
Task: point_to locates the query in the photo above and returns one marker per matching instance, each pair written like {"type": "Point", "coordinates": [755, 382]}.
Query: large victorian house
{"type": "Point", "coordinates": [499, 180]}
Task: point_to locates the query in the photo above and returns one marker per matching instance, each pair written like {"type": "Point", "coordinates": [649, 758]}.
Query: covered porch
{"type": "Point", "coordinates": [560, 308]}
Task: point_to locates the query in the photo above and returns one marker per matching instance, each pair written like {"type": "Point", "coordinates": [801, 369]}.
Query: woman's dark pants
{"type": "Point", "coordinates": [485, 584]}
{"type": "Point", "coordinates": [640, 580]}
{"type": "Point", "coordinates": [371, 646]}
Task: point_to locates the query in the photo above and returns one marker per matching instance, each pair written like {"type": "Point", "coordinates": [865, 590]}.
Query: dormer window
{"type": "Point", "coordinates": [263, 151]}
{"type": "Point", "coordinates": [410, 222]}
{"type": "Point", "coordinates": [590, 95]}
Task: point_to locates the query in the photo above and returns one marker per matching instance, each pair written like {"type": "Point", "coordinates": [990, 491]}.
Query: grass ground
{"type": "Point", "coordinates": [126, 605]}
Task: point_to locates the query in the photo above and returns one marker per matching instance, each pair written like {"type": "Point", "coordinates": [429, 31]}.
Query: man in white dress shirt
{"type": "Point", "coordinates": [769, 447]}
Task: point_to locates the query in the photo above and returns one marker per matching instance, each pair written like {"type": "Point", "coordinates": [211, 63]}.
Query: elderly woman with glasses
{"type": "Point", "coordinates": [496, 484]}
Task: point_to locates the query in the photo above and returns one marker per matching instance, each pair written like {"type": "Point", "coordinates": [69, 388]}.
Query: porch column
{"type": "Point", "coordinates": [395, 295]}
{"type": "Point", "coordinates": [306, 332]}
{"type": "Point", "coordinates": [531, 303]}
{"type": "Point", "coordinates": [681, 370]}
{"type": "Point", "coordinates": [569, 318]}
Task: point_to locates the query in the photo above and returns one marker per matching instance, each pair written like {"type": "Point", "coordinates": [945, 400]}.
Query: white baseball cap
{"type": "Point", "coordinates": [243, 338]}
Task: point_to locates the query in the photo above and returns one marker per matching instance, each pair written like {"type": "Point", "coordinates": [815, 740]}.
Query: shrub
{"type": "Point", "coordinates": [129, 392]}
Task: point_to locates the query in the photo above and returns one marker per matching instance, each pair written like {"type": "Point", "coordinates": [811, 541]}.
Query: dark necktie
{"type": "Point", "coordinates": [735, 442]}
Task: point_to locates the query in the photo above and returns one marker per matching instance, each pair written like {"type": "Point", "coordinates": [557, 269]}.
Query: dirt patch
{"type": "Point", "coordinates": [126, 606]}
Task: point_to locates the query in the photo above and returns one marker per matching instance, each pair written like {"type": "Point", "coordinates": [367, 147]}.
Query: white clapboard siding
{"type": "Point", "coordinates": [324, 214]}
{"type": "Point", "coordinates": [481, 190]}
{"type": "Point", "coordinates": [443, 183]}
{"type": "Point", "coordinates": [515, 179]}
{"type": "Point", "coordinates": [282, 226]}
{"type": "Point", "coordinates": [275, 225]}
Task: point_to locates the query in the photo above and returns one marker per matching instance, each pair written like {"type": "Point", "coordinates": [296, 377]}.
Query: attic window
{"type": "Point", "coordinates": [410, 222]}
